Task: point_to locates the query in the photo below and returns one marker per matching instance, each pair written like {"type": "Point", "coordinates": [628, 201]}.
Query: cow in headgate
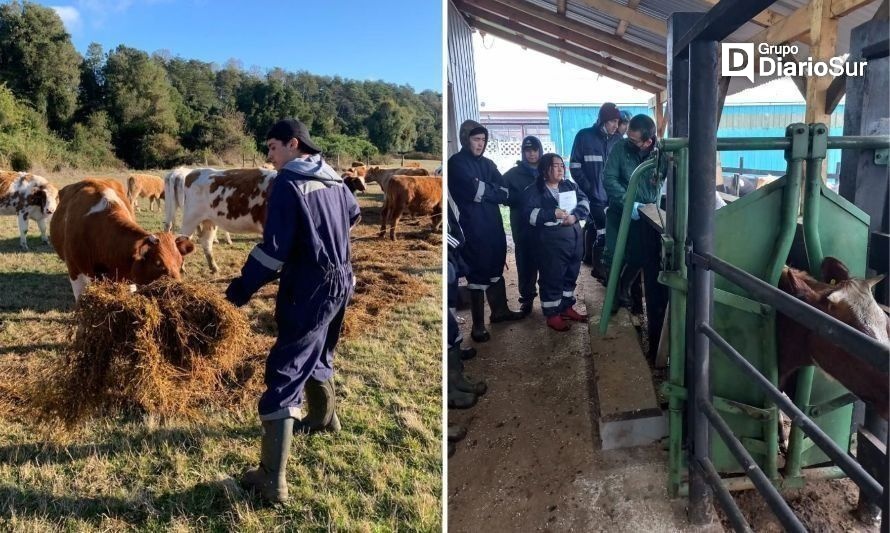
{"type": "Point", "coordinates": [419, 195]}
{"type": "Point", "coordinates": [849, 300]}
{"type": "Point", "coordinates": [233, 200]}
{"type": "Point", "coordinates": [145, 186]}
{"type": "Point", "coordinates": [27, 197]}
{"type": "Point", "coordinates": [95, 233]}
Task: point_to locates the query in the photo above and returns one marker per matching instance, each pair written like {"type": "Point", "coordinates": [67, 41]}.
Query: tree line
{"type": "Point", "coordinates": [126, 107]}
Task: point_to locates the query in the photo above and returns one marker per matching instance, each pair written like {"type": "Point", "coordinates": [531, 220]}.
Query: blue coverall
{"type": "Point", "coordinates": [456, 270]}
{"type": "Point", "coordinates": [559, 248]}
{"type": "Point", "coordinates": [306, 243]}
{"type": "Point", "coordinates": [485, 250]}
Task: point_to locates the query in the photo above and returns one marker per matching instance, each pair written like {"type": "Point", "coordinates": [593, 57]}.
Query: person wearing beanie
{"type": "Point", "coordinates": [518, 179]}
{"type": "Point", "coordinates": [554, 208]}
{"type": "Point", "coordinates": [310, 213]}
{"type": "Point", "coordinates": [640, 145]}
{"type": "Point", "coordinates": [622, 123]}
{"type": "Point", "coordinates": [590, 150]}
{"type": "Point", "coordinates": [477, 189]}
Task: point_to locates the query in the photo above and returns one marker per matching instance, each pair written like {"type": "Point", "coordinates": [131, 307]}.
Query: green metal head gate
{"type": "Point", "coordinates": [747, 243]}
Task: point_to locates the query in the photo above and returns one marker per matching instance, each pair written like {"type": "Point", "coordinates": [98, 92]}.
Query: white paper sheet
{"type": "Point", "coordinates": [568, 200]}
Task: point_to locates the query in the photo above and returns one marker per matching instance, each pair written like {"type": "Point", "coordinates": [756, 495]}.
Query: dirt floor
{"type": "Point", "coordinates": [531, 458]}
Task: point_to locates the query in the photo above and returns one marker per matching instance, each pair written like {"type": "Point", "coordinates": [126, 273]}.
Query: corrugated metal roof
{"type": "Point", "coordinates": [579, 11]}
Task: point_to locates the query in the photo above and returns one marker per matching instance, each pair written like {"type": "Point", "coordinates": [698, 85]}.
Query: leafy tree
{"type": "Point", "coordinates": [38, 61]}
{"type": "Point", "coordinates": [392, 128]}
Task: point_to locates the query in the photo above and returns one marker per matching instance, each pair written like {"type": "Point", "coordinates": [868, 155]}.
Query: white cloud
{"type": "Point", "coordinates": [70, 17]}
{"type": "Point", "coordinates": [97, 12]}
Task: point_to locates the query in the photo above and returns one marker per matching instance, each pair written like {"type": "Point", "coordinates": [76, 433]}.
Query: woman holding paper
{"type": "Point", "coordinates": [554, 206]}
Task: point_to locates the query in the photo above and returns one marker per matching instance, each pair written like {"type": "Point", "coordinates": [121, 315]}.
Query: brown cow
{"type": "Point", "coordinates": [95, 232]}
{"type": "Point", "coordinates": [849, 300]}
{"type": "Point", "coordinates": [383, 175]}
{"type": "Point", "coordinates": [420, 195]}
{"type": "Point", "coordinates": [145, 186]}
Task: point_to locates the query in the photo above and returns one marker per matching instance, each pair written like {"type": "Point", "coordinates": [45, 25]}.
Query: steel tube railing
{"type": "Point", "coordinates": [862, 142]}
{"type": "Point", "coordinates": [724, 497]}
{"type": "Point", "coordinates": [842, 460]}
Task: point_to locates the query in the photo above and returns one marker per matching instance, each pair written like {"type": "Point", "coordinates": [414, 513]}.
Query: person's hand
{"type": "Point", "coordinates": [635, 213]}
{"type": "Point", "coordinates": [560, 213]}
{"type": "Point", "coordinates": [569, 220]}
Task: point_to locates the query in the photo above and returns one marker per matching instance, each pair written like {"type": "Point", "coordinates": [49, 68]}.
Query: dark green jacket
{"type": "Point", "coordinates": [619, 167]}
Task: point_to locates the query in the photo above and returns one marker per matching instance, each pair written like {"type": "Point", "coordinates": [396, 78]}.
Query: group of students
{"type": "Point", "coordinates": [546, 211]}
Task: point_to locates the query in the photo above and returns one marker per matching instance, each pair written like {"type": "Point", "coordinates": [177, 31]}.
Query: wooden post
{"type": "Point", "coordinates": [823, 36]}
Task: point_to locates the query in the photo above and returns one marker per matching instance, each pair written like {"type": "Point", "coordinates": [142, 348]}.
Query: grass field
{"type": "Point", "coordinates": [382, 473]}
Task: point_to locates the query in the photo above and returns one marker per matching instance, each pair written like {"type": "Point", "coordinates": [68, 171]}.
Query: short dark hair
{"type": "Point", "coordinates": [544, 167]}
{"type": "Point", "coordinates": [644, 125]}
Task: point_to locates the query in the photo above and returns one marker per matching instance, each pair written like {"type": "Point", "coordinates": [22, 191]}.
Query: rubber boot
{"type": "Point", "coordinates": [497, 301]}
{"type": "Point", "coordinates": [556, 322]}
{"type": "Point", "coordinates": [322, 415]}
{"type": "Point", "coordinates": [459, 380]}
{"type": "Point", "coordinates": [467, 353]}
{"type": "Point", "coordinates": [598, 270]}
{"type": "Point", "coordinates": [589, 241]}
{"type": "Point", "coordinates": [269, 478]}
{"type": "Point", "coordinates": [477, 310]}
{"type": "Point", "coordinates": [456, 433]}
{"type": "Point", "coordinates": [526, 308]}
{"type": "Point", "coordinates": [457, 399]}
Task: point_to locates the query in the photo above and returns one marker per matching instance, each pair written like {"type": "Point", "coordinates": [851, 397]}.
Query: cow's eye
{"type": "Point", "coordinates": [158, 263]}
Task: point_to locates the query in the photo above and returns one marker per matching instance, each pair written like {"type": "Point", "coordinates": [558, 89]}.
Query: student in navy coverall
{"type": "Point", "coordinates": [306, 244]}
{"type": "Point", "coordinates": [554, 207]}
{"type": "Point", "coordinates": [477, 188]}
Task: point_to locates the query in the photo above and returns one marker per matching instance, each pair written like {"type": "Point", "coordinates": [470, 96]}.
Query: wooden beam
{"type": "Point", "coordinates": [541, 14]}
{"type": "Point", "coordinates": [823, 35]}
{"type": "Point", "coordinates": [507, 27]}
{"type": "Point", "coordinates": [565, 29]}
{"type": "Point", "coordinates": [767, 18]}
{"type": "Point", "coordinates": [720, 22]}
{"type": "Point", "coordinates": [660, 122]}
{"type": "Point", "coordinates": [799, 81]}
{"type": "Point", "coordinates": [622, 24]}
{"type": "Point", "coordinates": [561, 8]}
{"type": "Point", "coordinates": [789, 29]}
{"type": "Point", "coordinates": [722, 91]}
{"type": "Point", "coordinates": [564, 56]}
{"type": "Point", "coordinates": [652, 24]}
{"type": "Point", "coordinates": [839, 8]}
{"type": "Point", "coordinates": [835, 92]}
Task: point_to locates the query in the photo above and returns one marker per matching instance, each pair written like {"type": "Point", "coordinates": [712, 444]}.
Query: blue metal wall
{"type": "Point", "coordinates": [738, 120]}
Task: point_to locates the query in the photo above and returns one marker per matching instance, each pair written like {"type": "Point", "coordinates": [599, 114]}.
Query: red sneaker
{"type": "Point", "coordinates": [571, 314]}
{"type": "Point", "coordinates": [556, 322]}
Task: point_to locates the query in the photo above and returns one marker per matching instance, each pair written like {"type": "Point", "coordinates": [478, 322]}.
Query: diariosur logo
{"type": "Point", "coordinates": [738, 60]}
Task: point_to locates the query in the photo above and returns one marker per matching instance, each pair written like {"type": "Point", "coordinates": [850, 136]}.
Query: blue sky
{"type": "Point", "coordinates": [398, 41]}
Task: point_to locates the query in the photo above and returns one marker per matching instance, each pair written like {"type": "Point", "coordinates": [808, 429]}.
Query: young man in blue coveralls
{"type": "Point", "coordinates": [306, 244]}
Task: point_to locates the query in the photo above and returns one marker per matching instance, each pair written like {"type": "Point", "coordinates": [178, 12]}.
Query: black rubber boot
{"type": "Point", "coordinates": [497, 301]}
{"type": "Point", "coordinates": [589, 238]}
{"type": "Point", "coordinates": [456, 433]}
{"type": "Point", "coordinates": [597, 269]}
{"type": "Point", "coordinates": [477, 310]}
{"type": "Point", "coordinates": [457, 398]}
{"type": "Point", "coordinates": [269, 479]}
{"type": "Point", "coordinates": [322, 415]}
{"type": "Point", "coordinates": [456, 374]}
{"type": "Point", "coordinates": [467, 353]}
{"type": "Point", "coordinates": [526, 308]}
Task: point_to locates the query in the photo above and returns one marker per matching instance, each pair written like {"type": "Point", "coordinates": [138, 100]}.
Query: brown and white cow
{"type": "Point", "coordinates": [418, 195]}
{"type": "Point", "coordinates": [849, 300]}
{"type": "Point", "coordinates": [145, 186]}
{"type": "Point", "coordinates": [233, 200]}
{"type": "Point", "coordinates": [383, 175]}
{"type": "Point", "coordinates": [95, 232]}
{"type": "Point", "coordinates": [28, 197]}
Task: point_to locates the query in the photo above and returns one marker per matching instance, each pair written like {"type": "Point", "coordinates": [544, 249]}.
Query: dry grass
{"type": "Point", "coordinates": [136, 471]}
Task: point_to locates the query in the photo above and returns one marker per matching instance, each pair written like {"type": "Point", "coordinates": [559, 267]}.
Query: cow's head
{"type": "Point", "coordinates": [848, 299]}
{"type": "Point", "coordinates": [158, 256]}
{"type": "Point", "coordinates": [45, 199]}
{"type": "Point", "coordinates": [354, 184]}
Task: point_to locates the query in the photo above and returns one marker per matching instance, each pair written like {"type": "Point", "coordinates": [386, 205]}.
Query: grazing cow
{"type": "Point", "coordinates": [96, 234]}
{"type": "Point", "coordinates": [849, 300]}
{"type": "Point", "coordinates": [145, 186]}
{"type": "Point", "coordinates": [27, 197]}
{"type": "Point", "coordinates": [383, 175]}
{"type": "Point", "coordinates": [234, 200]}
{"type": "Point", "coordinates": [419, 195]}
{"type": "Point", "coordinates": [412, 164]}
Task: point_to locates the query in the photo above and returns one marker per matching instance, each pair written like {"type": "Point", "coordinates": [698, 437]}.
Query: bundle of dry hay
{"type": "Point", "coordinates": [163, 350]}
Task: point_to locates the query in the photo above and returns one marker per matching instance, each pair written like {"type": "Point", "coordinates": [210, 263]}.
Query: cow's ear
{"type": "Point", "coordinates": [184, 245]}
{"type": "Point", "coordinates": [797, 285]}
{"type": "Point", "coordinates": [834, 271]}
{"type": "Point", "coordinates": [871, 282]}
{"type": "Point", "coordinates": [143, 249]}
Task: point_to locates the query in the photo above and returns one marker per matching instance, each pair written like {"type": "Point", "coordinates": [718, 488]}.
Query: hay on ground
{"type": "Point", "coordinates": [162, 350]}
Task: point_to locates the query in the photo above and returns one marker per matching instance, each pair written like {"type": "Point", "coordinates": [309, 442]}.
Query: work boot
{"type": "Point", "coordinates": [322, 415]}
{"type": "Point", "coordinates": [626, 281]}
{"type": "Point", "coordinates": [556, 322]}
{"type": "Point", "coordinates": [457, 398]}
{"type": "Point", "coordinates": [467, 353]}
{"type": "Point", "coordinates": [456, 433]}
{"type": "Point", "coordinates": [572, 314]}
{"type": "Point", "coordinates": [589, 241]}
{"type": "Point", "coordinates": [451, 449]}
{"type": "Point", "coordinates": [497, 301]}
{"type": "Point", "coordinates": [477, 310]}
{"type": "Point", "coordinates": [269, 478]}
{"type": "Point", "coordinates": [458, 379]}
{"type": "Point", "coordinates": [525, 308]}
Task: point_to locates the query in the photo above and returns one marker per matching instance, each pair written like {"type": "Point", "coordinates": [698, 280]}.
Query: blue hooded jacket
{"type": "Point", "coordinates": [517, 180]}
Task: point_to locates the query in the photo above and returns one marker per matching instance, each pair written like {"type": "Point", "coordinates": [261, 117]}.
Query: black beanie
{"type": "Point", "coordinates": [608, 111]}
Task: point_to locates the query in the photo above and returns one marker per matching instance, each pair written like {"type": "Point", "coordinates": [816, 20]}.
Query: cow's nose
{"type": "Point", "coordinates": [49, 211]}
